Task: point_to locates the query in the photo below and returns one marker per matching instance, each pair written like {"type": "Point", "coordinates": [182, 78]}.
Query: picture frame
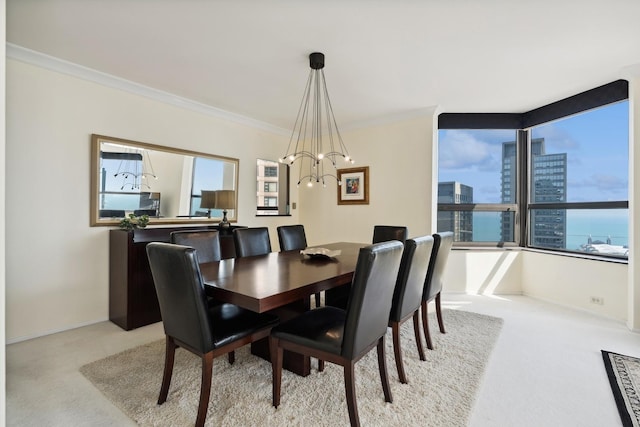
{"type": "Point", "coordinates": [353, 186]}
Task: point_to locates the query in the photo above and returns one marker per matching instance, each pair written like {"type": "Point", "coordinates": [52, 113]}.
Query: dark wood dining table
{"type": "Point", "coordinates": [280, 282]}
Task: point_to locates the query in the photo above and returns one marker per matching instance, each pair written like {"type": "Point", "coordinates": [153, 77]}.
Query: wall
{"type": "Point", "coordinates": [399, 159]}
{"type": "Point", "coordinates": [57, 268]}
{"type": "Point", "coordinates": [573, 281]}
{"type": "Point", "coordinates": [484, 272]}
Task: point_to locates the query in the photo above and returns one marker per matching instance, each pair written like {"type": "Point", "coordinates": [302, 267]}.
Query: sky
{"type": "Point", "coordinates": [596, 143]}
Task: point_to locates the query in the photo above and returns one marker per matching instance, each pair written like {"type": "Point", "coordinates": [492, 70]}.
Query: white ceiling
{"type": "Point", "coordinates": [383, 58]}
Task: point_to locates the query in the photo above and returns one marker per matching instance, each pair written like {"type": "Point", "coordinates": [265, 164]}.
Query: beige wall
{"type": "Point", "coordinates": [57, 275]}
{"type": "Point", "coordinates": [399, 159]}
{"type": "Point", "coordinates": [56, 270]}
{"type": "Point", "coordinates": [484, 272]}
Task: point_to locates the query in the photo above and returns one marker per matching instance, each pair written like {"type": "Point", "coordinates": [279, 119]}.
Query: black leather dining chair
{"type": "Point", "coordinates": [189, 322]}
{"type": "Point", "coordinates": [433, 284]}
{"type": "Point", "coordinates": [293, 238]}
{"type": "Point", "coordinates": [339, 297]}
{"type": "Point", "coordinates": [251, 241]}
{"type": "Point", "coordinates": [344, 336]}
{"type": "Point", "coordinates": [408, 293]}
{"type": "Point", "coordinates": [207, 246]}
{"type": "Point", "coordinates": [384, 233]}
{"type": "Point", "coordinates": [205, 242]}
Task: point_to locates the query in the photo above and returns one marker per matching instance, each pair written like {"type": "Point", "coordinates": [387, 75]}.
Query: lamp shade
{"type": "Point", "coordinates": [208, 200]}
{"type": "Point", "coordinates": [225, 199]}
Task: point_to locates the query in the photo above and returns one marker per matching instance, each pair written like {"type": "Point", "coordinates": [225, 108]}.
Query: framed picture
{"type": "Point", "coordinates": [353, 186]}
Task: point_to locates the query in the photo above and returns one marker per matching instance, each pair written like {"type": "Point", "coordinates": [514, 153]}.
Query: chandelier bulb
{"type": "Point", "coordinates": [320, 156]}
{"type": "Point", "coordinates": [310, 184]}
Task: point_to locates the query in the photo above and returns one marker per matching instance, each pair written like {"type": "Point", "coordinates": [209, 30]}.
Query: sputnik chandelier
{"type": "Point", "coordinates": [306, 143]}
{"type": "Point", "coordinates": [135, 169]}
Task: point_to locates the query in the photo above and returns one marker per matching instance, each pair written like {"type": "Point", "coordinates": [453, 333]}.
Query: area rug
{"type": "Point", "coordinates": [624, 377]}
{"type": "Point", "coordinates": [441, 390]}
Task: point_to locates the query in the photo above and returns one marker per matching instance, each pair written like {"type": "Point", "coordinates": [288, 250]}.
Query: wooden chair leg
{"type": "Point", "coordinates": [317, 299]}
{"type": "Point", "coordinates": [350, 388]}
{"type": "Point", "coordinates": [382, 367]}
{"type": "Point", "coordinates": [397, 351]}
{"type": "Point", "coordinates": [232, 357]}
{"type": "Point", "coordinates": [416, 332]}
{"type": "Point", "coordinates": [205, 388]}
{"type": "Point", "coordinates": [276, 369]}
{"type": "Point", "coordinates": [439, 314]}
{"type": "Point", "coordinates": [425, 324]}
{"type": "Point", "coordinates": [170, 351]}
{"type": "Point", "coordinates": [320, 365]}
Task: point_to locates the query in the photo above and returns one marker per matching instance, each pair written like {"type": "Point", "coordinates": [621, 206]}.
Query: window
{"type": "Point", "coordinates": [271, 171]}
{"type": "Point", "coordinates": [209, 174]}
{"type": "Point", "coordinates": [554, 178]}
{"type": "Point", "coordinates": [475, 195]}
{"type": "Point", "coordinates": [272, 196]}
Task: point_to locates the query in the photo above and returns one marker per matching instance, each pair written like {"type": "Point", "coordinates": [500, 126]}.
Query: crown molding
{"type": "Point", "coordinates": [52, 63]}
{"type": "Point", "coordinates": [389, 119]}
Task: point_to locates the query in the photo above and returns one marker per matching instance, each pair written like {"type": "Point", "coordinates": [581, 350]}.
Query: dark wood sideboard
{"type": "Point", "coordinates": [132, 295]}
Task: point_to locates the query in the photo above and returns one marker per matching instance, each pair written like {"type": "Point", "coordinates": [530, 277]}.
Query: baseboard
{"type": "Point", "coordinates": [53, 331]}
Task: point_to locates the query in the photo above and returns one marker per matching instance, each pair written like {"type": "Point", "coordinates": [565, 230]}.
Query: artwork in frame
{"type": "Point", "coordinates": [353, 186]}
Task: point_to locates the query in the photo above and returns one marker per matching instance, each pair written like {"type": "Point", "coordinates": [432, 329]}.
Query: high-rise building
{"type": "Point", "coordinates": [460, 222]}
{"type": "Point", "coordinates": [548, 227]}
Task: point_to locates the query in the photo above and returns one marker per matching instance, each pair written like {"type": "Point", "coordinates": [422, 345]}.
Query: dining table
{"type": "Point", "coordinates": [281, 283]}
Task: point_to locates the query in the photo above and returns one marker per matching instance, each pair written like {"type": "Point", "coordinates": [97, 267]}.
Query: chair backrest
{"type": "Point", "coordinates": [384, 233]}
{"type": "Point", "coordinates": [251, 241]}
{"type": "Point", "coordinates": [291, 237]}
{"type": "Point", "coordinates": [206, 243]}
{"type": "Point", "coordinates": [181, 294]}
{"type": "Point", "coordinates": [371, 294]}
{"type": "Point", "coordinates": [411, 277]}
{"type": "Point", "coordinates": [441, 249]}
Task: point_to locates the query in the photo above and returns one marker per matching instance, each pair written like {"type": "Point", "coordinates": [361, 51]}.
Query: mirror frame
{"type": "Point", "coordinates": [95, 220]}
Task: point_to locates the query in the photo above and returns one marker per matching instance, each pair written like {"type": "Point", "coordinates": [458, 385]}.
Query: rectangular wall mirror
{"type": "Point", "coordinates": [167, 184]}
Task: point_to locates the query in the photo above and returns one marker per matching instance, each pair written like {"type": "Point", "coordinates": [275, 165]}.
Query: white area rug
{"type": "Point", "coordinates": [441, 390]}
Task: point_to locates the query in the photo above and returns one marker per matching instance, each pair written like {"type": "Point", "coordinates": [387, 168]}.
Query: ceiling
{"type": "Point", "coordinates": [383, 58]}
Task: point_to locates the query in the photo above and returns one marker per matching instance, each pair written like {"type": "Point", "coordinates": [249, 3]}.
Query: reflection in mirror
{"type": "Point", "coordinates": [164, 183]}
{"type": "Point", "coordinates": [273, 188]}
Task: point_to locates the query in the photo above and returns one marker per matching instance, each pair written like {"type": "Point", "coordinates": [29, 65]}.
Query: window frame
{"type": "Point", "coordinates": [589, 100]}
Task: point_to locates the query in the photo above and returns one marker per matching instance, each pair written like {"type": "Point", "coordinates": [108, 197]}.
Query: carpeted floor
{"type": "Point", "coordinates": [441, 390]}
{"type": "Point", "coordinates": [624, 377]}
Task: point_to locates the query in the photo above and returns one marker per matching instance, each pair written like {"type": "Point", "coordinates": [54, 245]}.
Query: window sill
{"type": "Point", "coordinates": [542, 251]}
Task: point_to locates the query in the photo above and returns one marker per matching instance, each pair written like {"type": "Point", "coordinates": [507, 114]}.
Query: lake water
{"type": "Point", "coordinates": [580, 225]}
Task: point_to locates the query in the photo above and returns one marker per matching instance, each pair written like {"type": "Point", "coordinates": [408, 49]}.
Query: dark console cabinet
{"type": "Point", "coordinates": [132, 295]}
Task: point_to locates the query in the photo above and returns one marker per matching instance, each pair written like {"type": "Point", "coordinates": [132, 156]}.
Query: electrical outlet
{"type": "Point", "coordinates": [597, 300]}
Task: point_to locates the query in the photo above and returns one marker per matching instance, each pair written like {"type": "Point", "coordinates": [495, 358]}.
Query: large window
{"type": "Point", "coordinates": [554, 178]}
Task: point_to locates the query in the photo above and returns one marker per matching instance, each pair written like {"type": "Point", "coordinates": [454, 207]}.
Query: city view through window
{"type": "Point", "coordinates": [578, 159]}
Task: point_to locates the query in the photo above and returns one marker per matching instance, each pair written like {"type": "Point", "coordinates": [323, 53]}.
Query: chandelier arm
{"type": "Point", "coordinates": [343, 147]}
{"type": "Point", "coordinates": [305, 95]}
{"type": "Point", "coordinates": [153, 173]}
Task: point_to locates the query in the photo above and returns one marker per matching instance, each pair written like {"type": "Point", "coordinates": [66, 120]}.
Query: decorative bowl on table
{"type": "Point", "coordinates": [320, 253]}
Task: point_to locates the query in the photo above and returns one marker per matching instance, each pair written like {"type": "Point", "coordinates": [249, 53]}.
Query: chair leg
{"type": "Point", "coordinates": [276, 369]}
{"type": "Point", "coordinates": [439, 314]}
{"type": "Point", "coordinates": [416, 332]}
{"type": "Point", "coordinates": [320, 365]}
{"type": "Point", "coordinates": [397, 351]}
{"type": "Point", "coordinates": [317, 299]}
{"type": "Point", "coordinates": [170, 351]}
{"type": "Point", "coordinates": [232, 357]}
{"type": "Point", "coordinates": [382, 367]}
{"type": "Point", "coordinates": [350, 387]}
{"type": "Point", "coordinates": [425, 324]}
{"type": "Point", "coordinates": [205, 388]}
